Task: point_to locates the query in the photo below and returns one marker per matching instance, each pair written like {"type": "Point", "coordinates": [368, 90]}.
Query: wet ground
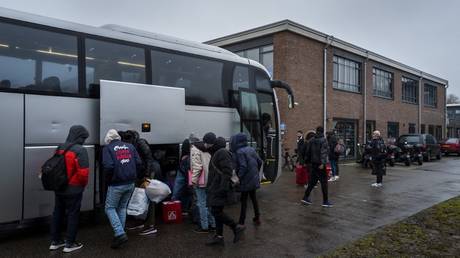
{"type": "Point", "coordinates": [288, 229]}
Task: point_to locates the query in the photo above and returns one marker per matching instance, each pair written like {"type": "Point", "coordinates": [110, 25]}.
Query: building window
{"type": "Point", "coordinates": [438, 133]}
{"type": "Point", "coordinates": [411, 128]}
{"type": "Point", "coordinates": [393, 130]}
{"type": "Point", "coordinates": [431, 129]}
{"type": "Point", "coordinates": [422, 129]}
{"type": "Point", "coordinates": [263, 55]}
{"type": "Point", "coordinates": [383, 83]}
{"type": "Point", "coordinates": [38, 60]}
{"type": "Point", "coordinates": [409, 90]}
{"type": "Point", "coordinates": [431, 97]}
{"type": "Point", "coordinates": [347, 74]}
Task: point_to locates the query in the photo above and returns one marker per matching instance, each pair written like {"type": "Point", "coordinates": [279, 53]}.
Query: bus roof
{"type": "Point", "coordinates": [131, 35]}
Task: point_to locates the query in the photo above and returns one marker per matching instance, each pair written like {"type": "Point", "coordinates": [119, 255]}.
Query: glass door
{"type": "Point", "coordinates": [346, 130]}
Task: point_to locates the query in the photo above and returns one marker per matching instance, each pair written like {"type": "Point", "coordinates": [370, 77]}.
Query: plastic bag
{"type": "Point", "coordinates": [157, 191]}
{"type": "Point", "coordinates": [138, 205]}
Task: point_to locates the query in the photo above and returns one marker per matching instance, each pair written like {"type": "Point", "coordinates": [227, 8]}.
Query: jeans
{"type": "Point", "coordinates": [116, 204]}
{"type": "Point", "coordinates": [335, 167]}
{"type": "Point", "coordinates": [244, 202]}
{"type": "Point", "coordinates": [206, 218]}
{"type": "Point", "coordinates": [317, 174]}
{"type": "Point", "coordinates": [70, 204]}
{"type": "Point", "coordinates": [222, 219]}
{"type": "Point", "coordinates": [180, 191]}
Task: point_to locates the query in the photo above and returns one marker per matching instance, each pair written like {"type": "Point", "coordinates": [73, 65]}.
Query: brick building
{"type": "Point", "coordinates": [362, 90]}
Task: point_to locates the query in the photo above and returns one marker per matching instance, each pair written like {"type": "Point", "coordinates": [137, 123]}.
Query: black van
{"type": "Point", "coordinates": [430, 147]}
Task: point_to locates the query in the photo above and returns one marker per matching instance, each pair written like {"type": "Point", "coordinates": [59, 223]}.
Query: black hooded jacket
{"type": "Point", "coordinates": [77, 161]}
{"type": "Point", "coordinates": [220, 173]}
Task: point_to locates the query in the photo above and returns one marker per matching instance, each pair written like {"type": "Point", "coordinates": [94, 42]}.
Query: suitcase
{"type": "Point", "coordinates": [301, 175]}
{"type": "Point", "coordinates": [328, 170]}
{"type": "Point", "coordinates": [172, 212]}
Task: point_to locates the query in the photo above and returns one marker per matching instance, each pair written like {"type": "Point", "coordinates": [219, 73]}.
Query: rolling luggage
{"type": "Point", "coordinates": [301, 175]}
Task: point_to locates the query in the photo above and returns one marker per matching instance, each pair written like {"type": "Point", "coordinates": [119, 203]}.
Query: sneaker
{"type": "Point", "coordinates": [337, 178]}
{"type": "Point", "coordinates": [119, 240]}
{"type": "Point", "coordinates": [331, 179]}
{"type": "Point", "coordinates": [148, 231]}
{"type": "Point", "coordinates": [212, 229]}
{"type": "Point", "coordinates": [216, 240]}
{"type": "Point", "coordinates": [56, 245]}
{"type": "Point", "coordinates": [256, 221]}
{"type": "Point", "coordinates": [72, 247]}
{"type": "Point", "coordinates": [141, 226]}
{"type": "Point", "coordinates": [199, 230]}
{"type": "Point", "coordinates": [379, 185]}
{"type": "Point", "coordinates": [306, 201]}
{"type": "Point", "coordinates": [327, 204]}
{"type": "Point", "coordinates": [238, 232]}
{"type": "Point", "coordinates": [374, 185]}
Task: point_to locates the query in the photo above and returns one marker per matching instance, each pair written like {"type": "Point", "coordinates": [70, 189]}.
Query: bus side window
{"type": "Point", "coordinates": [38, 60]}
{"type": "Point", "coordinates": [111, 61]}
{"type": "Point", "coordinates": [240, 77]}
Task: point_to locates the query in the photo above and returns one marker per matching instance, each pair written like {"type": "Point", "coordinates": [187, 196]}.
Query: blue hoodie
{"type": "Point", "coordinates": [247, 163]}
{"type": "Point", "coordinates": [120, 161]}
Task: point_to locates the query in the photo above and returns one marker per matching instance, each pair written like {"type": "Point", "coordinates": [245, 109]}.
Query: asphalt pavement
{"type": "Point", "coordinates": [288, 228]}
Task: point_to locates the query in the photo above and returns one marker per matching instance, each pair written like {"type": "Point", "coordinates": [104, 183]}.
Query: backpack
{"type": "Point", "coordinates": [339, 148]}
{"type": "Point", "coordinates": [54, 172]}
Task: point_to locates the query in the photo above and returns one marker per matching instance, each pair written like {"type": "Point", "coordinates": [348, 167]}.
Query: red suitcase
{"type": "Point", "coordinates": [301, 175]}
{"type": "Point", "coordinates": [172, 212]}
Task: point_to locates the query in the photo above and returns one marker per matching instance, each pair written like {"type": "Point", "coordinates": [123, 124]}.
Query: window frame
{"type": "Point", "coordinates": [435, 95]}
{"type": "Point", "coordinates": [403, 91]}
{"type": "Point", "coordinates": [392, 86]}
{"type": "Point", "coordinates": [337, 82]}
{"type": "Point", "coordinates": [397, 126]}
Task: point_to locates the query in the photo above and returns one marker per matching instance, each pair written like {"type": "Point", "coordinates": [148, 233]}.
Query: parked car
{"type": "Point", "coordinates": [452, 145]}
{"type": "Point", "coordinates": [426, 143]}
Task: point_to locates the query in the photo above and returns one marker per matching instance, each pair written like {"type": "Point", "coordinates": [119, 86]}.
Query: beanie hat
{"type": "Point", "coordinates": [111, 135]}
{"type": "Point", "coordinates": [209, 138]}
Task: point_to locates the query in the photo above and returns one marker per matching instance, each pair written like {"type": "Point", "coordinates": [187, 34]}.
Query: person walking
{"type": "Point", "coordinates": [200, 158]}
{"type": "Point", "coordinates": [247, 165]}
{"type": "Point", "coordinates": [120, 162]}
{"type": "Point", "coordinates": [219, 187]}
{"type": "Point", "coordinates": [333, 155]}
{"type": "Point", "coordinates": [317, 152]}
{"type": "Point", "coordinates": [378, 155]}
{"type": "Point", "coordinates": [300, 146]}
{"type": "Point", "coordinates": [68, 201]}
{"type": "Point", "coordinates": [150, 169]}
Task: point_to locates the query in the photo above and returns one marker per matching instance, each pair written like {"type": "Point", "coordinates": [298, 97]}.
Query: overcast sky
{"type": "Point", "coordinates": [424, 34]}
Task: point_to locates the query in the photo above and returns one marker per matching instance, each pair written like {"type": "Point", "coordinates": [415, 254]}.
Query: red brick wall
{"type": "Point", "coordinates": [299, 61]}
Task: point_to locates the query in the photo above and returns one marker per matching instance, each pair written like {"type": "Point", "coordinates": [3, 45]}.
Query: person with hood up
{"type": "Point", "coordinates": [247, 164]}
{"type": "Point", "coordinates": [69, 200]}
{"type": "Point", "coordinates": [219, 186]}
{"type": "Point", "coordinates": [120, 161]}
{"type": "Point", "coordinates": [199, 164]}
{"type": "Point", "coordinates": [317, 154]}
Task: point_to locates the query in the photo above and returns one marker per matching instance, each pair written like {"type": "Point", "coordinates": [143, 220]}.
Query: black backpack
{"type": "Point", "coordinates": [54, 172]}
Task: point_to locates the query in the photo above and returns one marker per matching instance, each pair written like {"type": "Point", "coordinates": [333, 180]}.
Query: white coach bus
{"type": "Point", "coordinates": [55, 74]}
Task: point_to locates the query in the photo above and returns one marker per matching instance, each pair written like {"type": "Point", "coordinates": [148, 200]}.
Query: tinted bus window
{"type": "Point", "coordinates": [37, 60]}
{"type": "Point", "coordinates": [240, 78]}
{"type": "Point", "coordinates": [201, 78]}
{"type": "Point", "coordinates": [111, 61]}
{"type": "Point", "coordinates": [262, 82]}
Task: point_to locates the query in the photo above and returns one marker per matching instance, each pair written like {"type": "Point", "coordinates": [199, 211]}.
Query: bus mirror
{"type": "Point", "coordinates": [287, 88]}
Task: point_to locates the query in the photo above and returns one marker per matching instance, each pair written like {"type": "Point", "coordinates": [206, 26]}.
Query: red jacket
{"type": "Point", "coordinates": [76, 160]}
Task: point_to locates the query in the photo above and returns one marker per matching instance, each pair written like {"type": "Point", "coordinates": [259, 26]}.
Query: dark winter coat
{"type": "Point", "coordinates": [378, 154]}
{"type": "Point", "coordinates": [300, 150]}
{"type": "Point", "coordinates": [120, 161]}
{"type": "Point", "coordinates": [76, 159]}
{"type": "Point", "coordinates": [332, 141]}
{"type": "Point", "coordinates": [317, 151]}
{"type": "Point", "coordinates": [247, 164]}
{"type": "Point", "coordinates": [220, 173]}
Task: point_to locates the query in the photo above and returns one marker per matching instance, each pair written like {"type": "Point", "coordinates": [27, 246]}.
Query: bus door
{"type": "Point", "coordinates": [252, 120]}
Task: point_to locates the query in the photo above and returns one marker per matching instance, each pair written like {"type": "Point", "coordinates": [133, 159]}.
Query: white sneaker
{"type": "Point", "coordinates": [331, 179]}
{"type": "Point", "coordinates": [337, 178]}
{"type": "Point", "coordinates": [375, 185]}
{"type": "Point", "coordinates": [379, 185]}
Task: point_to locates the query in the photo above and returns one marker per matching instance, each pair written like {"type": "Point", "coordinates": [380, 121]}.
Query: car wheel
{"type": "Point", "coordinates": [420, 162]}
{"type": "Point", "coordinates": [439, 156]}
{"type": "Point", "coordinates": [407, 162]}
{"type": "Point", "coordinates": [426, 157]}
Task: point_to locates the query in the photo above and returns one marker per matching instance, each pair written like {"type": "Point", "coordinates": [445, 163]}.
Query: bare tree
{"type": "Point", "coordinates": [453, 99]}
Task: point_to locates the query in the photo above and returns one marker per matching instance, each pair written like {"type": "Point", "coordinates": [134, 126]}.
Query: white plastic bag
{"type": "Point", "coordinates": [138, 205]}
{"type": "Point", "coordinates": [157, 191]}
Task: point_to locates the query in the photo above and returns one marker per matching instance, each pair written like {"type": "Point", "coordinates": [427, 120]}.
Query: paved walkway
{"type": "Point", "coordinates": [289, 229]}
